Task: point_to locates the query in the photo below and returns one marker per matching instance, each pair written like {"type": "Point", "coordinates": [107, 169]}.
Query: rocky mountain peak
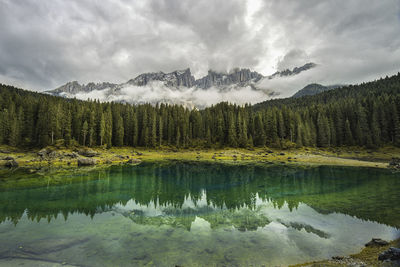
{"type": "Point", "coordinates": [174, 79]}
{"type": "Point", "coordinates": [241, 77]}
{"type": "Point", "coordinates": [294, 71]}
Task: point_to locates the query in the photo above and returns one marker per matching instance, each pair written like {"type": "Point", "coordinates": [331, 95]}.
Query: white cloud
{"type": "Point", "coordinates": [45, 44]}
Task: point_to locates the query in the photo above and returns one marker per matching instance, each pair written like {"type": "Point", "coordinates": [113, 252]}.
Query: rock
{"type": "Point", "coordinates": [86, 162]}
{"type": "Point", "coordinates": [71, 155]}
{"type": "Point", "coordinates": [270, 151]}
{"type": "Point", "coordinates": [392, 254]}
{"type": "Point", "coordinates": [11, 164]}
{"type": "Point", "coordinates": [139, 154]}
{"type": "Point", "coordinates": [53, 154]}
{"type": "Point", "coordinates": [240, 77]}
{"type": "Point", "coordinates": [174, 79]}
{"type": "Point", "coordinates": [395, 163]}
{"type": "Point", "coordinates": [377, 242]}
{"type": "Point", "coordinates": [133, 161]}
{"type": "Point", "coordinates": [9, 158]}
{"type": "Point", "coordinates": [282, 154]}
{"type": "Point", "coordinates": [87, 152]}
{"type": "Point", "coordinates": [44, 152]}
{"type": "Point", "coordinates": [5, 151]}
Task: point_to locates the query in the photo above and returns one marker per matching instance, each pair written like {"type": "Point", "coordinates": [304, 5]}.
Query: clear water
{"type": "Point", "coordinates": [194, 214]}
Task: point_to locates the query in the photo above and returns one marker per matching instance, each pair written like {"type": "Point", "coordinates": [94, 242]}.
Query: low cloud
{"type": "Point", "coordinates": [156, 92]}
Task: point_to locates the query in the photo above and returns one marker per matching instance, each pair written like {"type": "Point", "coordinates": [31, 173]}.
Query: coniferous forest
{"type": "Point", "coordinates": [357, 115]}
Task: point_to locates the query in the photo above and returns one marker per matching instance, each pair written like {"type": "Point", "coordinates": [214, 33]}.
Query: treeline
{"type": "Point", "coordinates": [362, 115]}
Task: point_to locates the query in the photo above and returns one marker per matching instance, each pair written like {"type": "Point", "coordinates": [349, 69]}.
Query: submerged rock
{"type": "Point", "coordinates": [395, 163]}
{"type": "Point", "coordinates": [86, 162]}
{"type": "Point", "coordinates": [377, 242]}
{"type": "Point", "coordinates": [392, 254]}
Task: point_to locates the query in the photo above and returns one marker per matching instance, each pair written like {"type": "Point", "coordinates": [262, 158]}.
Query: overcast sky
{"type": "Point", "coordinates": [44, 44]}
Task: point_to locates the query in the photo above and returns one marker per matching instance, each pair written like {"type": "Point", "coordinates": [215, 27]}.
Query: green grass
{"type": "Point", "coordinates": [346, 156]}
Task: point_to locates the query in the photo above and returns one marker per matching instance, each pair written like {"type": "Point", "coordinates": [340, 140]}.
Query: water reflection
{"type": "Point", "coordinates": [369, 194]}
{"type": "Point", "coordinates": [196, 214]}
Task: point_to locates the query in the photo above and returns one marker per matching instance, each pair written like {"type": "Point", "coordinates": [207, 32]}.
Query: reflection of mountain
{"type": "Point", "coordinates": [243, 219]}
{"type": "Point", "coordinates": [211, 187]}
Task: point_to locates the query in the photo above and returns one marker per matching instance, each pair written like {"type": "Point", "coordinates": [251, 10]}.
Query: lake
{"type": "Point", "coordinates": [194, 214]}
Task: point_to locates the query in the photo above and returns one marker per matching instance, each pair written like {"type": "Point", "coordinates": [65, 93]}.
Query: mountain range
{"type": "Point", "coordinates": [179, 86]}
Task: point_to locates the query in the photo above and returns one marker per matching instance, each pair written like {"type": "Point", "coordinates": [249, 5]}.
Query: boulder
{"type": "Point", "coordinates": [392, 254]}
{"type": "Point", "coordinates": [9, 158]}
{"type": "Point", "coordinates": [11, 163]}
{"type": "Point", "coordinates": [86, 162]}
{"type": "Point", "coordinates": [53, 154]}
{"type": "Point", "coordinates": [133, 161]}
{"type": "Point", "coordinates": [71, 155]}
{"type": "Point", "coordinates": [377, 242]}
{"type": "Point", "coordinates": [44, 152]}
{"type": "Point", "coordinates": [87, 153]}
{"type": "Point", "coordinates": [395, 163]}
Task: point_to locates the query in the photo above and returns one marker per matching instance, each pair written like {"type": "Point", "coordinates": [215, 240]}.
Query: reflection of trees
{"type": "Point", "coordinates": [366, 193]}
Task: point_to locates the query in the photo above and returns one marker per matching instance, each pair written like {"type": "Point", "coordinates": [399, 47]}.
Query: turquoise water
{"type": "Point", "coordinates": [194, 214]}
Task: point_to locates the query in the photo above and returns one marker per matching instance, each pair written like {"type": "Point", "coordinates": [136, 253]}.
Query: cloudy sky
{"type": "Point", "coordinates": [44, 44]}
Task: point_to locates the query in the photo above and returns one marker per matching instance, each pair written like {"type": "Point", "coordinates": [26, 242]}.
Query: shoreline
{"type": "Point", "coordinates": [368, 256]}
{"type": "Point", "coordinates": [62, 157]}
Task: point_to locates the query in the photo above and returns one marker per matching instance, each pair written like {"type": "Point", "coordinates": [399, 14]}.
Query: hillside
{"type": "Point", "coordinates": [313, 89]}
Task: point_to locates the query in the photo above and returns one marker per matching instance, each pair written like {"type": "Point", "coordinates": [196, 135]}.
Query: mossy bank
{"type": "Point", "coordinates": [349, 156]}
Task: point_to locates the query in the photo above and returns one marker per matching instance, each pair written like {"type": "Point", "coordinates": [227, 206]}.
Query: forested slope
{"type": "Point", "coordinates": [363, 115]}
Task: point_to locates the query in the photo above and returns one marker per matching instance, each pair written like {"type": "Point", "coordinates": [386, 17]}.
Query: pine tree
{"type": "Point", "coordinates": [160, 131]}
{"type": "Point", "coordinates": [108, 127]}
{"type": "Point", "coordinates": [135, 130]}
{"type": "Point", "coordinates": [119, 133]}
{"type": "Point", "coordinates": [102, 129]}
{"type": "Point", "coordinates": [260, 138]}
{"type": "Point", "coordinates": [323, 131]}
{"type": "Point", "coordinates": [85, 129]}
{"type": "Point", "coordinates": [232, 141]}
{"type": "Point", "coordinates": [348, 136]}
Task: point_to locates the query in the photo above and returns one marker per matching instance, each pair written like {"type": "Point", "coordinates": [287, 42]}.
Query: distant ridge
{"type": "Point", "coordinates": [313, 89]}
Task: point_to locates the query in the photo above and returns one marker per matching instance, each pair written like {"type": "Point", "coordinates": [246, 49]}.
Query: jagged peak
{"type": "Point", "coordinates": [294, 71]}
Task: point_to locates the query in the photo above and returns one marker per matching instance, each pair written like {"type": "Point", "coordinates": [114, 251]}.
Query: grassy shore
{"type": "Point", "coordinates": [348, 156]}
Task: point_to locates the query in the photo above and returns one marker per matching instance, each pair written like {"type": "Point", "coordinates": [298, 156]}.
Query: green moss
{"type": "Point", "coordinates": [313, 156]}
